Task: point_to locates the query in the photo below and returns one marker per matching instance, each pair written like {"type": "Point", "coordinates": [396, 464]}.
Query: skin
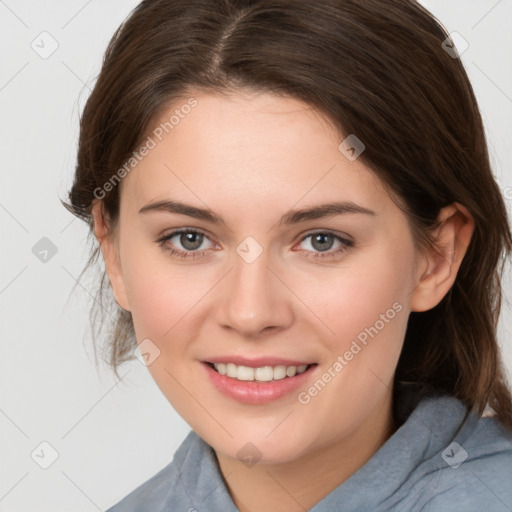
{"type": "Point", "coordinates": [251, 158]}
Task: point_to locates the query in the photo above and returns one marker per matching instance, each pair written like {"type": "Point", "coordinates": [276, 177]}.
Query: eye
{"type": "Point", "coordinates": [322, 243]}
{"type": "Point", "coordinates": [191, 240]}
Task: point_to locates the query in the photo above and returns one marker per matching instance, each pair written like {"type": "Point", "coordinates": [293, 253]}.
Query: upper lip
{"type": "Point", "coordinates": [257, 362]}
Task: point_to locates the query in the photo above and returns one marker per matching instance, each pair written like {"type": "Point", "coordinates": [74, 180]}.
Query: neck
{"type": "Point", "coordinates": [300, 484]}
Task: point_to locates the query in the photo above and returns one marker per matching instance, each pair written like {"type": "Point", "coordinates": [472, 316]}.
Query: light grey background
{"type": "Point", "coordinates": [111, 436]}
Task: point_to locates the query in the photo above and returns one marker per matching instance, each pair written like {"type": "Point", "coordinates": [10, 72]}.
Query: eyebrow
{"type": "Point", "coordinates": [290, 217]}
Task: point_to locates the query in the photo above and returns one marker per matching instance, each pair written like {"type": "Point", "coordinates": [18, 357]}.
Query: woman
{"type": "Point", "coordinates": [223, 144]}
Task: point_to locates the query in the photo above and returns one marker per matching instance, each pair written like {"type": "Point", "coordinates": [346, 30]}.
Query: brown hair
{"type": "Point", "coordinates": [376, 69]}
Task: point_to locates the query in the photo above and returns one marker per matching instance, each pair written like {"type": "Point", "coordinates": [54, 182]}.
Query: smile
{"type": "Point", "coordinates": [261, 374]}
{"type": "Point", "coordinates": [259, 385]}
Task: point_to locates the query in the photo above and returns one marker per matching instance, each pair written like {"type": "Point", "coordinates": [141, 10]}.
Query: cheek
{"type": "Point", "coordinates": [363, 313]}
{"type": "Point", "coordinates": [351, 299]}
{"type": "Point", "coordinates": [165, 298]}
{"type": "Point", "coordinates": [156, 294]}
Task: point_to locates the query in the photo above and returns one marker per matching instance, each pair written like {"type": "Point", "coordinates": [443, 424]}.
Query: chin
{"type": "Point", "coordinates": [258, 448]}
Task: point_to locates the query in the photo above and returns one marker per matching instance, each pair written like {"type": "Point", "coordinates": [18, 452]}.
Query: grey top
{"type": "Point", "coordinates": [439, 460]}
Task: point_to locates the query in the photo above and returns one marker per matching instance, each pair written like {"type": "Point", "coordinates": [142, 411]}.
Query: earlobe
{"type": "Point", "coordinates": [441, 265]}
{"type": "Point", "coordinates": [110, 255]}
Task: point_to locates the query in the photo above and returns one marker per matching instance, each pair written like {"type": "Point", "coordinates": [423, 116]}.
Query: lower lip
{"type": "Point", "coordinates": [255, 392]}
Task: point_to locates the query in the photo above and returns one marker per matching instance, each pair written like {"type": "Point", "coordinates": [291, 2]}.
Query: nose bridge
{"type": "Point", "coordinates": [254, 299]}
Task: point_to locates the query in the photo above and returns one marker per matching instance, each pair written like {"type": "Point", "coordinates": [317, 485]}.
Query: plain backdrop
{"type": "Point", "coordinates": [102, 438]}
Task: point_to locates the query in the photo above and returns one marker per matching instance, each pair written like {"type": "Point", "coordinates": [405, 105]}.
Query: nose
{"type": "Point", "coordinates": [253, 299]}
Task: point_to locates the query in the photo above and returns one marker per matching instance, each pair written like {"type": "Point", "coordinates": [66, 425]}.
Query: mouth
{"type": "Point", "coordinates": [259, 374]}
{"type": "Point", "coordinates": [257, 384]}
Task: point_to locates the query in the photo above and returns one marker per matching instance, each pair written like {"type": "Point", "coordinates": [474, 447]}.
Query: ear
{"type": "Point", "coordinates": [439, 268]}
{"type": "Point", "coordinates": [110, 252]}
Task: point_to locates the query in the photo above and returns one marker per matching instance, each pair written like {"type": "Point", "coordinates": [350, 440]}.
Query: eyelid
{"type": "Point", "coordinates": [178, 231]}
{"type": "Point", "coordinates": [332, 232]}
{"type": "Point", "coordinates": [302, 237]}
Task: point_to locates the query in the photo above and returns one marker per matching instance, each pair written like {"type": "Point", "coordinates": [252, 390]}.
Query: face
{"type": "Point", "coordinates": [253, 281]}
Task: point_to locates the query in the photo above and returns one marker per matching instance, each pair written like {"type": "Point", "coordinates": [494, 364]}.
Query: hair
{"type": "Point", "coordinates": [376, 69]}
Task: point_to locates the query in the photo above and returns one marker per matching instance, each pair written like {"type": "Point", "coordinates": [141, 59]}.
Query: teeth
{"type": "Point", "coordinates": [231, 370]}
{"type": "Point", "coordinates": [292, 370]}
{"type": "Point", "coordinates": [262, 374]}
{"type": "Point", "coordinates": [244, 373]}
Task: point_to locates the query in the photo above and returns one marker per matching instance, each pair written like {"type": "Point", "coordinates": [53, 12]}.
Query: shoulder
{"type": "Point", "coordinates": [162, 488]}
{"type": "Point", "coordinates": [476, 474]}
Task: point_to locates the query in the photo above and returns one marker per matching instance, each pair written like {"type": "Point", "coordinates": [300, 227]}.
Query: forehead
{"type": "Point", "coordinates": [247, 148]}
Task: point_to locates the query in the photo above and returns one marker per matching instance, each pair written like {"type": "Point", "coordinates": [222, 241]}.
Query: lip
{"type": "Point", "coordinates": [257, 362]}
{"type": "Point", "coordinates": [255, 392]}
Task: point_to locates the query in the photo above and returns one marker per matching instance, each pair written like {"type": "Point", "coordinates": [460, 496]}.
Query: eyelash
{"type": "Point", "coordinates": [345, 245]}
